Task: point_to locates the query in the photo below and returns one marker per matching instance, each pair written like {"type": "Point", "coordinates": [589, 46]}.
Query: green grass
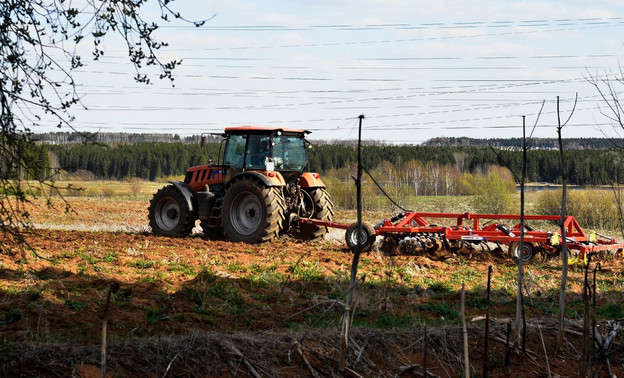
{"type": "Point", "coordinates": [142, 263]}
{"type": "Point", "coordinates": [611, 311]}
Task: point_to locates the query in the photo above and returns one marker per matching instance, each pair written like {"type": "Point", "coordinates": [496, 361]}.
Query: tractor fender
{"type": "Point", "coordinates": [268, 178]}
{"type": "Point", "coordinates": [188, 193]}
{"type": "Point", "coordinates": [312, 180]}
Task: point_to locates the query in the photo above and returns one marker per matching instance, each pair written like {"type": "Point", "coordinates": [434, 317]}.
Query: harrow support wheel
{"type": "Point", "coordinates": [367, 237]}
{"type": "Point", "coordinates": [317, 206]}
{"type": "Point", "coordinates": [527, 251]}
{"type": "Point", "coordinates": [252, 212]}
{"type": "Point", "coordinates": [169, 213]}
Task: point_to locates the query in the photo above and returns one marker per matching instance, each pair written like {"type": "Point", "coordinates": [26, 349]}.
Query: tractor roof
{"type": "Point", "coordinates": [263, 129]}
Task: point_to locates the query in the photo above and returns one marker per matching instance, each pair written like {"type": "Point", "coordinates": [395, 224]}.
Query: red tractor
{"type": "Point", "coordinates": [258, 191]}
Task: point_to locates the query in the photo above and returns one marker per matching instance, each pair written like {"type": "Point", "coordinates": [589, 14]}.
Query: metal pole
{"type": "Point", "coordinates": [346, 321]}
{"type": "Point", "coordinates": [520, 256]}
{"type": "Point", "coordinates": [358, 183]}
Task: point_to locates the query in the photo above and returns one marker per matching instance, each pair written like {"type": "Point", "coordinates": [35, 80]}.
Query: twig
{"type": "Point", "coordinates": [238, 353]}
{"type": "Point", "coordinates": [332, 301]}
{"type": "Point", "coordinates": [416, 370]}
{"type": "Point", "coordinates": [305, 360]}
{"type": "Point", "coordinates": [353, 372]}
{"type": "Point", "coordinates": [170, 363]}
{"type": "Point", "coordinates": [360, 353]}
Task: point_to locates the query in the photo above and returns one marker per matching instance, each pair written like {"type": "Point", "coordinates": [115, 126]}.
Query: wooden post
{"type": "Point", "coordinates": [424, 346]}
{"type": "Point", "coordinates": [113, 289]}
{"type": "Point", "coordinates": [103, 351]}
{"type": "Point", "coordinates": [588, 337]}
{"type": "Point", "coordinates": [465, 331]}
{"type": "Point", "coordinates": [486, 342]}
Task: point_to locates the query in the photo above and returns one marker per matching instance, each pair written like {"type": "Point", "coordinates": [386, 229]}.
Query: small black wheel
{"type": "Point", "coordinates": [367, 237]}
{"type": "Point", "coordinates": [169, 213]}
{"type": "Point", "coordinates": [527, 251]}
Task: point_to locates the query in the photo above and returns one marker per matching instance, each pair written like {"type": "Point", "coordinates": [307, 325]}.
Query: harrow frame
{"type": "Point", "coordinates": [414, 229]}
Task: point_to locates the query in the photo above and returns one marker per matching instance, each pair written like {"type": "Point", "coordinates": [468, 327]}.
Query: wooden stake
{"type": "Point", "coordinates": [103, 352]}
{"type": "Point", "coordinates": [508, 347]}
{"type": "Point", "coordinates": [465, 330]}
{"type": "Point", "coordinates": [486, 342]}
{"type": "Point", "coordinates": [424, 365]}
{"type": "Point", "coordinates": [113, 289]}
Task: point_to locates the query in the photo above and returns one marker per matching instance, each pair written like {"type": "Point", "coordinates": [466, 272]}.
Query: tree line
{"type": "Point", "coordinates": [153, 160]}
{"type": "Point", "coordinates": [536, 143]}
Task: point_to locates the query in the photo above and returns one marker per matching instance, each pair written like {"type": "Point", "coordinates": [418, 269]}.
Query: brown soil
{"type": "Point", "coordinates": [195, 307]}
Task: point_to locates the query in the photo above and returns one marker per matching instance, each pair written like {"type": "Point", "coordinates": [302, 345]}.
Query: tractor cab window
{"type": "Point", "coordinates": [289, 153]}
{"type": "Point", "coordinates": [235, 151]}
{"type": "Point", "coordinates": [258, 151]}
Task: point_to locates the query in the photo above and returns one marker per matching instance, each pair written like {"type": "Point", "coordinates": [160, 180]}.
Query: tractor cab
{"type": "Point", "coordinates": [264, 149]}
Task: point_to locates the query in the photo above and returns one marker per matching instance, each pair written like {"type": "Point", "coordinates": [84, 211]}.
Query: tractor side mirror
{"type": "Point", "coordinates": [203, 141]}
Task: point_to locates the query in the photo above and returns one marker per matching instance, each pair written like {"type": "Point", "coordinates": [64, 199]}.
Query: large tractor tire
{"type": "Point", "coordinates": [169, 213]}
{"type": "Point", "coordinates": [252, 212]}
{"type": "Point", "coordinates": [317, 206]}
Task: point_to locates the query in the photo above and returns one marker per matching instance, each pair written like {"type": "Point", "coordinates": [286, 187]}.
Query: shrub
{"type": "Point", "coordinates": [467, 185]}
{"type": "Point", "coordinates": [136, 186]}
{"type": "Point", "coordinates": [592, 208]}
{"type": "Point", "coordinates": [496, 189]}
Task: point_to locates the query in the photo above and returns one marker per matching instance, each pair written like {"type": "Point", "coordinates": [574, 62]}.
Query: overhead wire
{"type": "Point", "coordinates": [334, 103]}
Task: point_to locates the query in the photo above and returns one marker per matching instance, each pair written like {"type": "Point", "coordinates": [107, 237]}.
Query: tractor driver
{"type": "Point", "coordinates": [258, 151]}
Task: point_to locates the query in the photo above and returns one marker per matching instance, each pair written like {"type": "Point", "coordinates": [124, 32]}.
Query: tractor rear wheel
{"type": "Point", "coordinates": [169, 213]}
{"type": "Point", "coordinates": [252, 212]}
{"type": "Point", "coordinates": [317, 206]}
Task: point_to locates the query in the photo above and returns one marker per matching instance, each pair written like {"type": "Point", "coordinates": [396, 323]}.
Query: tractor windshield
{"type": "Point", "coordinates": [289, 153]}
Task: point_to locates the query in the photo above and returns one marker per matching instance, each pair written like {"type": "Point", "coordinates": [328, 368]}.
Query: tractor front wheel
{"type": "Point", "coordinates": [169, 213]}
{"type": "Point", "coordinates": [252, 212]}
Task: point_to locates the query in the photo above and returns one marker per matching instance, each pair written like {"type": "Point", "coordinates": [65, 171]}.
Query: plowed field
{"type": "Point", "coordinates": [196, 307]}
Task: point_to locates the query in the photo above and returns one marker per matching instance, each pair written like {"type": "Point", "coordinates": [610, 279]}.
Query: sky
{"type": "Point", "coordinates": [415, 69]}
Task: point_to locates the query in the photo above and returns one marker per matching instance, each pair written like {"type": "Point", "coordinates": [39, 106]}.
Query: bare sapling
{"type": "Point", "coordinates": [564, 246]}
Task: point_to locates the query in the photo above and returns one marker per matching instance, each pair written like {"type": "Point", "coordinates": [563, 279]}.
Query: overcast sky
{"type": "Point", "coordinates": [415, 69]}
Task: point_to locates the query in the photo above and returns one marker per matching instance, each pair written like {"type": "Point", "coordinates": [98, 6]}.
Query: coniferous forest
{"type": "Point", "coordinates": [153, 160]}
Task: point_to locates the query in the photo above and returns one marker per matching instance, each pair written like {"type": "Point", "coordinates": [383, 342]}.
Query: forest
{"type": "Point", "coordinates": [154, 160]}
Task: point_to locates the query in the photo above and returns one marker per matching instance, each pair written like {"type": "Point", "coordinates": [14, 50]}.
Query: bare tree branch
{"type": "Point", "coordinates": [39, 52]}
